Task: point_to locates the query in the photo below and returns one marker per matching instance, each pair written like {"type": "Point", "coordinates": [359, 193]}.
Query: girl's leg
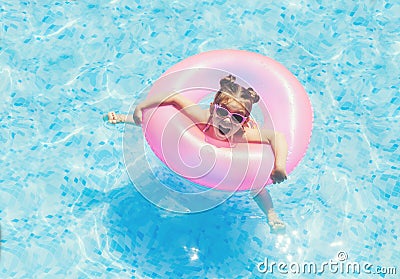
{"type": "Point", "coordinates": [264, 202]}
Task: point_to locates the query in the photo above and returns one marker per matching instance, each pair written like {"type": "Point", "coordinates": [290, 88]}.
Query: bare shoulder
{"type": "Point", "coordinates": [257, 135]}
{"type": "Point", "coordinates": [197, 114]}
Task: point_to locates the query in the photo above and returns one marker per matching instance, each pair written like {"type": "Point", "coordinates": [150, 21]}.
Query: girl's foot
{"type": "Point", "coordinates": [114, 118]}
{"type": "Point", "coordinates": [276, 225]}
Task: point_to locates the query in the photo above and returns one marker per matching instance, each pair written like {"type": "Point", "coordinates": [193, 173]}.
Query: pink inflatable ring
{"type": "Point", "coordinates": [184, 148]}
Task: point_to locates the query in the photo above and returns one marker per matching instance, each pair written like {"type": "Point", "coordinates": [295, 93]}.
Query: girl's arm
{"type": "Point", "coordinates": [185, 105]}
{"type": "Point", "coordinates": [278, 143]}
{"type": "Point", "coordinates": [279, 146]}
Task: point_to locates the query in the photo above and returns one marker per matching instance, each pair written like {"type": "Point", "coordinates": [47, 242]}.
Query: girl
{"type": "Point", "coordinates": [227, 119]}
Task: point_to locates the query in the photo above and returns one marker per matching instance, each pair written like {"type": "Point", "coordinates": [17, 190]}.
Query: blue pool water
{"type": "Point", "coordinates": [67, 206]}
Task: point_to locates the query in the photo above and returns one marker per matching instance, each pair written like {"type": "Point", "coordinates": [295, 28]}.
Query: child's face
{"type": "Point", "coordinates": [227, 118]}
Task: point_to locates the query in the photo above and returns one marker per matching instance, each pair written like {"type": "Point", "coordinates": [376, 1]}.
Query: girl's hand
{"type": "Point", "coordinates": [138, 115]}
{"type": "Point", "coordinates": [278, 175]}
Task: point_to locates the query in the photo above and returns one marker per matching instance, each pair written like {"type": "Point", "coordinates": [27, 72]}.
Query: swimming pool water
{"type": "Point", "coordinates": [67, 206]}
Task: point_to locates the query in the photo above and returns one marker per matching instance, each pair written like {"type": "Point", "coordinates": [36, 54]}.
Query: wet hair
{"type": "Point", "coordinates": [229, 88]}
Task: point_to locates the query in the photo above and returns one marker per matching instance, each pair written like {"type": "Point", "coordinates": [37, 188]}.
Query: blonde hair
{"type": "Point", "coordinates": [229, 88]}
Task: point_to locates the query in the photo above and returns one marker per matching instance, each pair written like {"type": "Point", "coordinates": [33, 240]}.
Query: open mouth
{"type": "Point", "coordinates": [223, 130]}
